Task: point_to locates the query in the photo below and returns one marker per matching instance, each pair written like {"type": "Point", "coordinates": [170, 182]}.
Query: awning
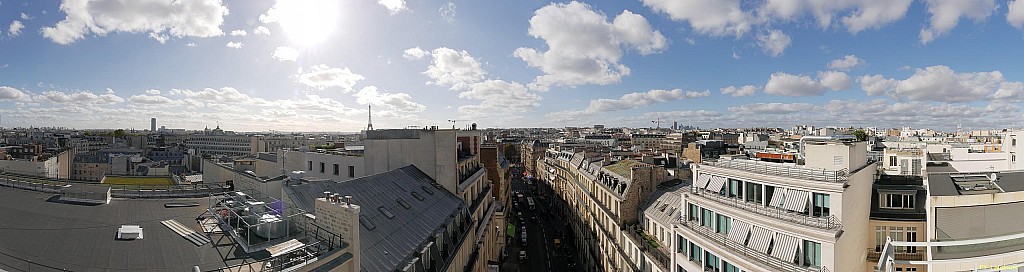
{"type": "Point", "coordinates": [510, 230]}
{"type": "Point", "coordinates": [785, 247]}
{"type": "Point", "coordinates": [716, 183]}
{"type": "Point", "coordinates": [760, 238]}
{"type": "Point", "coordinates": [778, 198]}
{"type": "Point", "coordinates": [702, 181]}
{"type": "Point", "coordinates": [738, 231]}
{"type": "Point", "coordinates": [796, 200]}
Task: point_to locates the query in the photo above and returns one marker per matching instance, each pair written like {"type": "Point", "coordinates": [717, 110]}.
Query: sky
{"type": "Point", "coordinates": [318, 65]}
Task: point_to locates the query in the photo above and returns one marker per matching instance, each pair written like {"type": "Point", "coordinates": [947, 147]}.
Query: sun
{"type": "Point", "coordinates": [306, 22]}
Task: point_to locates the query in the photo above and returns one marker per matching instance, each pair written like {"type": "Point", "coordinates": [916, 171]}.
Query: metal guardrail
{"type": "Point", "coordinates": [661, 257]}
{"type": "Point", "coordinates": [774, 169]}
{"type": "Point", "coordinates": [875, 255]}
{"type": "Point", "coordinates": [748, 253]}
{"type": "Point", "coordinates": [829, 223]}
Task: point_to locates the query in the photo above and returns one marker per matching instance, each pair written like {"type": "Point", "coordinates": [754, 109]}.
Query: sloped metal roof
{"type": "Point", "coordinates": [392, 242]}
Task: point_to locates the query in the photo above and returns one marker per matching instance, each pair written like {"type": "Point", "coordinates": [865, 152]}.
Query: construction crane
{"type": "Point", "coordinates": [658, 122]}
{"type": "Point", "coordinates": [453, 121]}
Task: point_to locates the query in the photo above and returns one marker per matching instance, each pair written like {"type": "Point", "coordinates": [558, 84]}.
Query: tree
{"type": "Point", "coordinates": [511, 152]}
{"type": "Point", "coordinates": [861, 135]}
{"type": "Point", "coordinates": [119, 133]}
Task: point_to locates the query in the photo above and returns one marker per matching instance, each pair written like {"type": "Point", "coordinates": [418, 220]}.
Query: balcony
{"type": "Point", "coordinates": [775, 169]}
{"type": "Point", "coordinates": [874, 254]}
{"type": "Point", "coordinates": [466, 178]}
{"type": "Point", "coordinates": [748, 253]}
{"type": "Point", "coordinates": [827, 223]}
{"type": "Point", "coordinates": [646, 244]}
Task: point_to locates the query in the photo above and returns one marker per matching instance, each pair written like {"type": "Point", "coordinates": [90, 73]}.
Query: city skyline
{"type": "Point", "coordinates": [316, 65]}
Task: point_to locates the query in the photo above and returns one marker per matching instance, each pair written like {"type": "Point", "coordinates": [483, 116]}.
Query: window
{"type": "Point", "coordinates": [735, 188]}
{"type": "Point", "coordinates": [1013, 142]}
{"type": "Point", "coordinates": [729, 267]}
{"type": "Point", "coordinates": [879, 238]}
{"type": "Point", "coordinates": [694, 212]}
{"type": "Point", "coordinates": [310, 166]}
{"type": "Point", "coordinates": [707, 217]}
{"type": "Point", "coordinates": [892, 160]}
{"type": "Point", "coordinates": [351, 171]}
{"type": "Point", "coordinates": [812, 253]}
{"type": "Point", "coordinates": [753, 192]}
{"type": "Point", "coordinates": [335, 169]}
{"type": "Point", "coordinates": [911, 237]}
{"type": "Point", "coordinates": [821, 205]}
{"type": "Point", "coordinates": [680, 244]}
{"type": "Point", "coordinates": [321, 167]}
{"type": "Point", "coordinates": [710, 262]}
{"type": "Point", "coordinates": [896, 233]}
{"type": "Point", "coordinates": [695, 252]}
{"type": "Point", "coordinates": [896, 201]}
{"type": "Point", "coordinates": [723, 224]}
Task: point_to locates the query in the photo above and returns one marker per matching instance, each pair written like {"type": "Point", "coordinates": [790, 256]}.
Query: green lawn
{"type": "Point", "coordinates": [138, 180]}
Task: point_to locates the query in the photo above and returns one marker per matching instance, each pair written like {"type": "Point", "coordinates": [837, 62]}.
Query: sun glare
{"type": "Point", "coordinates": [307, 22]}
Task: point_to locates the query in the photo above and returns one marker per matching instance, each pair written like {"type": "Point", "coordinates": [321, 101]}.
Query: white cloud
{"type": "Point", "coordinates": [739, 91]}
{"type": "Point", "coordinates": [82, 97]}
{"type": "Point", "coordinates": [637, 99]}
{"type": "Point", "coordinates": [447, 12]}
{"type": "Point", "coordinates": [682, 114]}
{"type": "Point", "coordinates": [712, 17]}
{"type": "Point", "coordinates": [10, 93]}
{"type": "Point", "coordinates": [200, 18]}
{"type": "Point", "coordinates": [940, 83]}
{"type": "Point", "coordinates": [152, 92]}
{"type": "Point", "coordinates": [393, 6]}
{"type": "Point", "coordinates": [235, 45]}
{"type": "Point", "coordinates": [771, 108]}
{"type": "Point", "coordinates": [877, 84]}
{"type": "Point", "coordinates": [945, 15]}
{"type": "Point", "coordinates": [454, 68]}
{"type": "Point", "coordinates": [322, 77]}
{"type": "Point", "coordinates": [583, 46]}
{"type": "Point", "coordinates": [498, 98]}
{"type": "Point", "coordinates": [857, 15]}
{"type": "Point", "coordinates": [26, 17]}
{"type": "Point", "coordinates": [149, 99]}
{"type": "Point", "coordinates": [285, 54]}
{"type": "Point", "coordinates": [773, 43]}
{"type": "Point", "coordinates": [15, 29]}
{"type": "Point", "coordinates": [835, 80]}
{"type": "Point", "coordinates": [792, 85]}
{"type": "Point", "coordinates": [191, 44]}
{"type": "Point", "coordinates": [239, 33]}
{"type": "Point", "coordinates": [401, 102]}
{"type": "Point", "coordinates": [846, 63]}
{"type": "Point", "coordinates": [1009, 92]}
{"type": "Point", "coordinates": [261, 30]}
{"type": "Point", "coordinates": [414, 53]}
{"type": "Point", "coordinates": [1015, 13]}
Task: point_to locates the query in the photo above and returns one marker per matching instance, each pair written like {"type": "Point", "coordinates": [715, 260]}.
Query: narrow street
{"type": "Point", "coordinates": [542, 228]}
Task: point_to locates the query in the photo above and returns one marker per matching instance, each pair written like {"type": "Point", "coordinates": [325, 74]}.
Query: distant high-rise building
{"type": "Point", "coordinates": [152, 124]}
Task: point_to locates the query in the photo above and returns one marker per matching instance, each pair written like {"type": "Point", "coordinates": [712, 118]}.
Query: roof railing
{"type": "Point", "coordinates": [775, 169]}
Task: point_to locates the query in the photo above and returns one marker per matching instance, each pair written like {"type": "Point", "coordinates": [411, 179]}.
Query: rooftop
{"type": "Point", "coordinates": [623, 167]}
{"type": "Point", "coordinates": [663, 205]}
{"type": "Point", "coordinates": [71, 237]}
{"type": "Point", "coordinates": [952, 184]}
{"type": "Point", "coordinates": [387, 242]}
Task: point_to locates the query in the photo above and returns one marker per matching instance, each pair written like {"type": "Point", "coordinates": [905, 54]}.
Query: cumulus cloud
{"type": "Point", "coordinates": [682, 114]}
{"type": "Point", "coordinates": [150, 99]}
{"type": "Point", "coordinates": [835, 80]}
{"type": "Point", "coordinates": [856, 15]}
{"type": "Point", "coordinates": [81, 97]}
{"type": "Point", "coordinates": [447, 12]}
{"type": "Point", "coordinates": [846, 63]}
{"type": "Point", "coordinates": [774, 42]}
{"type": "Point", "coordinates": [401, 102]}
{"type": "Point", "coordinates": [11, 93]}
{"type": "Point", "coordinates": [877, 84]}
{"type": "Point", "coordinates": [771, 108]}
{"type": "Point", "coordinates": [414, 53]}
{"type": "Point", "coordinates": [238, 33]}
{"type": "Point", "coordinates": [1015, 13]}
{"type": "Point", "coordinates": [637, 99]}
{"type": "Point", "coordinates": [235, 45]}
{"type": "Point", "coordinates": [285, 54]}
{"type": "Point", "coordinates": [498, 98]}
{"type": "Point", "coordinates": [26, 17]}
{"type": "Point", "coordinates": [799, 85]}
{"type": "Point", "coordinates": [15, 28]}
{"type": "Point", "coordinates": [261, 30]}
{"type": "Point", "coordinates": [938, 83]}
{"type": "Point", "coordinates": [322, 77]}
{"type": "Point", "coordinates": [739, 91]}
{"type": "Point", "coordinates": [946, 14]}
{"type": "Point", "coordinates": [393, 6]}
{"type": "Point", "coordinates": [712, 17]}
{"type": "Point", "coordinates": [201, 18]}
{"type": "Point", "coordinates": [191, 44]}
{"type": "Point", "coordinates": [454, 68]}
{"type": "Point", "coordinates": [583, 46]}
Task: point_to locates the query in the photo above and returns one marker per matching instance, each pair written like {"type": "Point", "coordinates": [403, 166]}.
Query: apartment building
{"type": "Point", "coordinates": [746, 215]}
{"type": "Point", "coordinates": [531, 151]}
{"type": "Point", "coordinates": [973, 224]}
{"type": "Point", "coordinates": [898, 212]}
{"type": "Point", "coordinates": [603, 200]}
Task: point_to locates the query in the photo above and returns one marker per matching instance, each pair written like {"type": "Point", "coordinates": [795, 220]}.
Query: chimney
{"type": "Point", "coordinates": [327, 195]}
{"type": "Point", "coordinates": [348, 199]}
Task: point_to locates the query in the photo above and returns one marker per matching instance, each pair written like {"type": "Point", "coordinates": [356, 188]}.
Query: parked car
{"type": "Point", "coordinates": [522, 255]}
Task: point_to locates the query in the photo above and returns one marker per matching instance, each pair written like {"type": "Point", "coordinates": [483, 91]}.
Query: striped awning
{"type": "Point", "coordinates": [716, 184]}
{"type": "Point", "coordinates": [738, 231]}
{"type": "Point", "coordinates": [702, 181]}
{"type": "Point", "coordinates": [760, 238]}
{"type": "Point", "coordinates": [785, 247]}
{"type": "Point", "coordinates": [778, 197]}
{"type": "Point", "coordinates": [796, 200]}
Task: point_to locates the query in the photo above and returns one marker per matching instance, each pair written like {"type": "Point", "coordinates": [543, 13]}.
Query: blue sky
{"type": "Point", "coordinates": [315, 65]}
